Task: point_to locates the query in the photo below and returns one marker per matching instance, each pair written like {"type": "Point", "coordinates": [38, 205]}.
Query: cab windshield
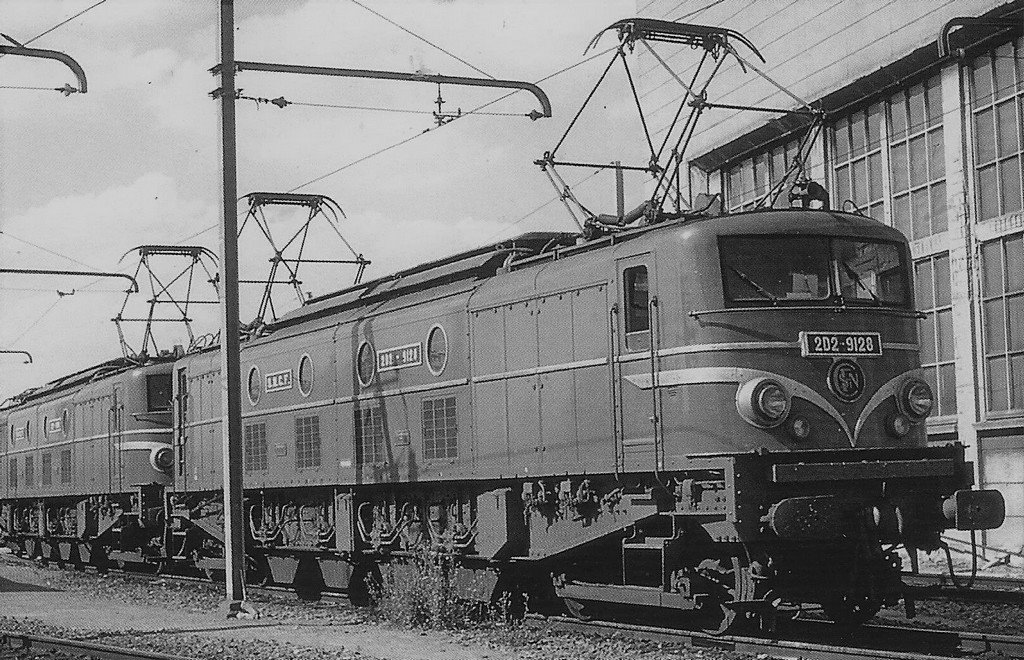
{"type": "Point", "coordinates": [792, 270]}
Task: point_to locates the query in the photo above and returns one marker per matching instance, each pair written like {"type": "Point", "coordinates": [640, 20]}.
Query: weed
{"type": "Point", "coordinates": [422, 591]}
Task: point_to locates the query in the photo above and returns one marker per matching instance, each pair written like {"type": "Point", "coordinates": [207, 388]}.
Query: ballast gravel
{"type": "Point", "coordinates": [290, 629]}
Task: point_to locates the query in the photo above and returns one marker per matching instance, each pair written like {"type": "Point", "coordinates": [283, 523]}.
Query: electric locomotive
{"type": "Point", "coordinates": [85, 461]}
{"type": "Point", "coordinates": [718, 415]}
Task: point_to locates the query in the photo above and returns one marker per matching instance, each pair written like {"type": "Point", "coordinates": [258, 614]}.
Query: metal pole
{"type": "Point", "coordinates": [231, 380]}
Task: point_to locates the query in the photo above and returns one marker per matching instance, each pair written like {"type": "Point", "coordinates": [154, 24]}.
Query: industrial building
{"type": "Point", "coordinates": [923, 131]}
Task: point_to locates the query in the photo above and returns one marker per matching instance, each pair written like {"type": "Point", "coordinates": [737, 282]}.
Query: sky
{"type": "Point", "coordinates": [86, 178]}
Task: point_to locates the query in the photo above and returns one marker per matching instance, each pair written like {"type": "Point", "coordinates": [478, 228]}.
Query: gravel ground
{"type": "Point", "coordinates": [286, 615]}
{"type": "Point", "coordinates": [358, 625]}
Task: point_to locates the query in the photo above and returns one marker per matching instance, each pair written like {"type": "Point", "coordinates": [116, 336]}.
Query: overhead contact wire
{"type": "Point", "coordinates": [424, 40]}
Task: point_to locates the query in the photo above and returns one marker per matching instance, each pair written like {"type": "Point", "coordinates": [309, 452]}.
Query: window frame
{"type": "Point", "coordinates": [989, 61]}
{"type": "Point", "coordinates": [1001, 295]}
{"type": "Point", "coordinates": [449, 448]}
{"type": "Point", "coordinates": [933, 311]}
{"type": "Point", "coordinates": [636, 338]}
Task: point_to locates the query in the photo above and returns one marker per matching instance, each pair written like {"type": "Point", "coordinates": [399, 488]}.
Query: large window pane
{"type": "Point", "coordinates": [898, 165]}
{"type": "Point", "coordinates": [936, 155]}
{"type": "Point", "coordinates": [931, 376]}
{"type": "Point", "coordinates": [843, 184]}
{"type": "Point", "coordinates": [981, 80]}
{"type": "Point", "coordinates": [918, 161]}
{"type": "Point", "coordinates": [874, 126]}
{"type": "Point", "coordinates": [800, 270]}
{"type": "Point", "coordinates": [875, 176]}
{"type": "Point", "coordinates": [1015, 322]}
{"type": "Point", "coordinates": [1017, 381]}
{"type": "Point", "coordinates": [923, 284]}
{"type": "Point", "coordinates": [939, 220]}
{"type": "Point", "coordinates": [919, 211]}
{"type": "Point", "coordinates": [944, 324]}
{"type": "Point", "coordinates": [934, 102]}
{"type": "Point", "coordinates": [942, 286]}
{"type": "Point", "coordinates": [898, 118]}
{"type": "Point", "coordinates": [928, 339]}
{"type": "Point", "coordinates": [842, 139]}
{"type": "Point", "coordinates": [995, 330]}
{"type": "Point", "coordinates": [860, 183]}
{"type": "Point", "coordinates": [858, 139]}
{"type": "Point", "coordinates": [984, 137]}
{"type": "Point", "coordinates": [901, 214]}
{"type": "Point", "coordinates": [778, 164]}
{"type": "Point", "coordinates": [988, 193]}
{"type": "Point", "coordinates": [917, 115]}
{"type": "Point", "coordinates": [996, 384]}
{"type": "Point", "coordinates": [1006, 118]}
{"type": "Point", "coordinates": [991, 269]}
{"type": "Point", "coordinates": [747, 180]}
{"type": "Point", "coordinates": [1014, 263]}
{"type": "Point", "coordinates": [947, 390]}
{"type": "Point", "coordinates": [1004, 79]}
{"type": "Point", "coordinates": [1009, 181]}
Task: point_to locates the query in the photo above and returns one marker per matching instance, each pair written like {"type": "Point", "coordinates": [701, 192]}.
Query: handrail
{"type": "Point", "coordinates": [652, 320]}
{"type": "Point", "coordinates": [613, 313]}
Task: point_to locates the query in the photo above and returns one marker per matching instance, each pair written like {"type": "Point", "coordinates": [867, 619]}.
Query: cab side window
{"type": "Point", "coordinates": [636, 296]}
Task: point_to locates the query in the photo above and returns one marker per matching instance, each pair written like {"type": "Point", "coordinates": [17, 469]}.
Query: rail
{"type": "Point", "coordinates": [78, 648]}
{"type": "Point", "coordinates": [866, 643]}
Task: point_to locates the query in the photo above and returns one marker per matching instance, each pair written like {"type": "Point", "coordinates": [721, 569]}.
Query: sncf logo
{"type": "Point", "coordinates": [278, 381]}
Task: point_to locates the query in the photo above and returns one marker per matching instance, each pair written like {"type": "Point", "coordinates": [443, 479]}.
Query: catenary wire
{"type": "Point", "coordinates": [434, 128]}
{"type": "Point", "coordinates": [424, 40]}
{"type": "Point", "coordinates": [826, 66]}
{"type": "Point", "coordinates": [911, 131]}
{"type": "Point", "coordinates": [36, 322]}
{"type": "Point", "coordinates": [413, 137]}
{"type": "Point", "coordinates": [47, 250]}
{"type": "Point", "coordinates": [62, 23]}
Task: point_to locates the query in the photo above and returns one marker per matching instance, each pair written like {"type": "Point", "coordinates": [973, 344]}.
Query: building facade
{"type": "Point", "coordinates": [923, 131]}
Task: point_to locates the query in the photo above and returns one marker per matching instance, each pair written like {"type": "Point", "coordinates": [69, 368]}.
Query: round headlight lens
{"type": "Point", "coordinates": [799, 428]}
{"type": "Point", "coordinates": [918, 399]}
{"type": "Point", "coordinates": [898, 425]}
{"type": "Point", "coordinates": [163, 458]}
{"type": "Point", "coordinates": [772, 401]}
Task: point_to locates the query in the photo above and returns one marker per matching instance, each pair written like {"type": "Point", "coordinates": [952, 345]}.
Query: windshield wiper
{"type": "Point", "coordinates": [765, 293]}
{"type": "Point", "coordinates": [856, 278]}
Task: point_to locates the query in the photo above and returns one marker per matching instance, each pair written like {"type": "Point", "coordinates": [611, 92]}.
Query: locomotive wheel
{"type": "Point", "coordinates": [734, 583]}
{"type": "Point", "coordinates": [851, 610]}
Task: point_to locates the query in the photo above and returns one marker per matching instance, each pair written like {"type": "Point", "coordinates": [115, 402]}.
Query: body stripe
{"type": "Point", "coordinates": [101, 436]}
{"type": "Point", "coordinates": [740, 375]}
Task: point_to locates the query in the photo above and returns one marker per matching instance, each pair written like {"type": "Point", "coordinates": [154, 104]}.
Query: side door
{"type": "Point", "coordinates": [636, 365]}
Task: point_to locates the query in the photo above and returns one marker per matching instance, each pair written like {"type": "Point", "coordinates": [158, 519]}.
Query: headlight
{"type": "Point", "coordinates": [897, 425]}
{"type": "Point", "coordinates": [799, 428]}
{"type": "Point", "coordinates": [763, 402]}
{"type": "Point", "coordinates": [772, 401]}
{"type": "Point", "coordinates": [916, 399]}
{"type": "Point", "coordinates": [162, 459]}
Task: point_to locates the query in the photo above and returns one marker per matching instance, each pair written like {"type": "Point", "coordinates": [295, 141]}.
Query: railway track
{"type": "Point", "coordinates": [983, 589]}
{"type": "Point", "coordinates": [25, 643]}
{"type": "Point", "coordinates": [804, 640]}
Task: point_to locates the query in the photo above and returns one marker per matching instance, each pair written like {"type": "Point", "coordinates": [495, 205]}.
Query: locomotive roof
{"type": "Point", "coordinates": [87, 375]}
{"type": "Point", "coordinates": [536, 247]}
{"type": "Point", "coordinates": [478, 262]}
